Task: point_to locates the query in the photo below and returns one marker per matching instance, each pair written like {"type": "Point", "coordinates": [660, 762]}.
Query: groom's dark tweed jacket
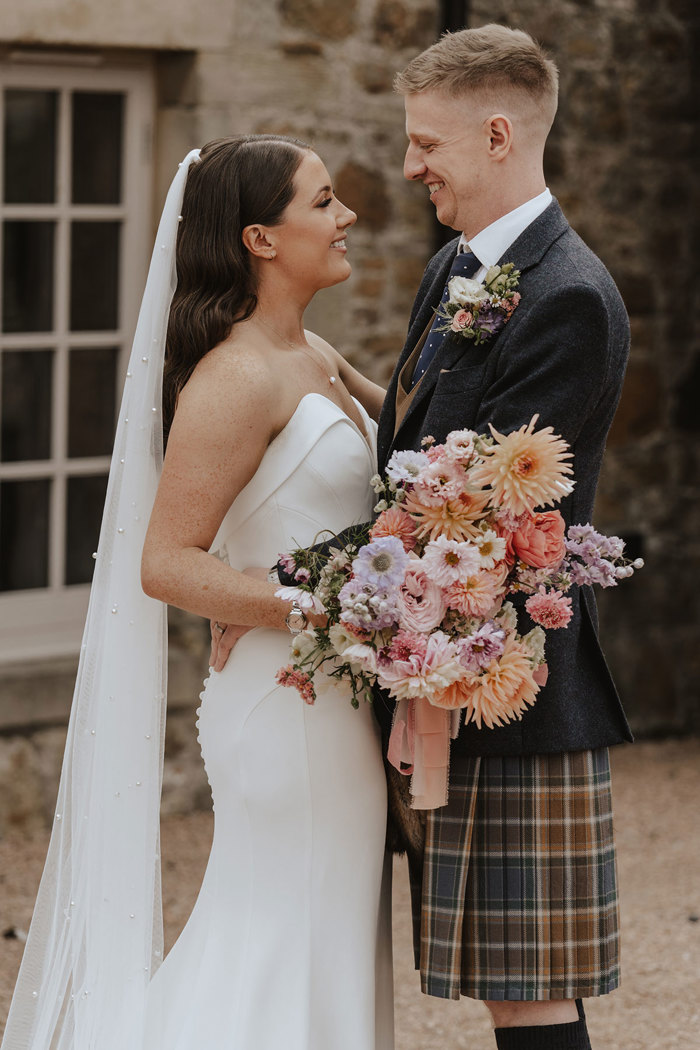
{"type": "Point", "coordinates": [562, 355]}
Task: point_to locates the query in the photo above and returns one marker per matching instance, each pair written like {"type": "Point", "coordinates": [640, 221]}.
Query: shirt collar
{"type": "Point", "coordinates": [490, 244]}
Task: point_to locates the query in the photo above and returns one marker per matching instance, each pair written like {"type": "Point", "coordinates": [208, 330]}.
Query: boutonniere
{"type": "Point", "coordinates": [478, 310]}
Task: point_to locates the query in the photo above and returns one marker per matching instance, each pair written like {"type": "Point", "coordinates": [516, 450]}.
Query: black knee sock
{"type": "Point", "coordinates": [572, 1036]}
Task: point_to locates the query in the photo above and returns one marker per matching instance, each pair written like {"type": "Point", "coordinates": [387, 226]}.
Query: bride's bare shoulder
{"type": "Point", "coordinates": [233, 383]}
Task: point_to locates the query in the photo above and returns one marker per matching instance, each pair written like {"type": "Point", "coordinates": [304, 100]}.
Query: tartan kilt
{"type": "Point", "coordinates": [516, 897]}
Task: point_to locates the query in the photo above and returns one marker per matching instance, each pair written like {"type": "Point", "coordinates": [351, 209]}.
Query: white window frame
{"type": "Point", "coordinates": [48, 622]}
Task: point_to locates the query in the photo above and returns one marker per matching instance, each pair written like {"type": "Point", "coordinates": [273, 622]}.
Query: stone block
{"type": "Point", "coordinates": [185, 785]}
{"type": "Point", "coordinates": [637, 288]}
{"type": "Point", "coordinates": [330, 19]}
{"type": "Point", "coordinates": [159, 24]}
{"type": "Point", "coordinates": [398, 24]}
{"type": "Point", "coordinates": [176, 78]}
{"type": "Point", "coordinates": [686, 409]}
{"type": "Point", "coordinates": [370, 287]}
{"type": "Point", "coordinates": [641, 409]}
{"type": "Point", "coordinates": [407, 272]}
{"type": "Point", "coordinates": [21, 788]}
{"type": "Point", "coordinates": [375, 77]}
{"type": "Point", "coordinates": [301, 48]}
{"type": "Point", "coordinates": [365, 191]}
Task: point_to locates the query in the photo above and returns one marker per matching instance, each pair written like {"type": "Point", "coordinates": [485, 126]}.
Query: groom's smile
{"type": "Point", "coordinates": [448, 152]}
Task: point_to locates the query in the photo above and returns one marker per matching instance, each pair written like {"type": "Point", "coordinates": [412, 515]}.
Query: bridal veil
{"type": "Point", "coordinates": [96, 935]}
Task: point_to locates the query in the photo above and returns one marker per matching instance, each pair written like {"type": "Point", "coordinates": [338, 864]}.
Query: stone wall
{"type": "Point", "coordinates": [622, 160]}
{"type": "Point", "coordinates": [323, 71]}
{"type": "Point", "coordinates": [619, 160]}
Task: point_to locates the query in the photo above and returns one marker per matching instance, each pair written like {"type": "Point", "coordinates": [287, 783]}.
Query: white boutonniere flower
{"type": "Point", "coordinates": [478, 310]}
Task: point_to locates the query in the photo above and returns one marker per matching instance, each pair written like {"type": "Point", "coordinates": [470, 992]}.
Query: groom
{"type": "Point", "coordinates": [514, 896]}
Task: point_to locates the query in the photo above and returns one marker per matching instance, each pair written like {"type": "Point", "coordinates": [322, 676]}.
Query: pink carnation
{"type": "Point", "coordinates": [550, 609]}
{"type": "Point", "coordinates": [404, 657]}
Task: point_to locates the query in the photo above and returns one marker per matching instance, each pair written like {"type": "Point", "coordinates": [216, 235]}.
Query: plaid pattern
{"type": "Point", "coordinates": [517, 896]}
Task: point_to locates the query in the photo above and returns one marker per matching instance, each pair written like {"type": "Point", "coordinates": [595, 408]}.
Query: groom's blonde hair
{"type": "Point", "coordinates": [492, 60]}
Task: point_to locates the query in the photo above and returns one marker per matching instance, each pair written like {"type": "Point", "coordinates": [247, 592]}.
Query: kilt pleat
{"type": "Point", "coordinates": [517, 896]}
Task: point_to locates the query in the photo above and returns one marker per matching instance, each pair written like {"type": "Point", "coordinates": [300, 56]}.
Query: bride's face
{"type": "Point", "coordinates": [310, 241]}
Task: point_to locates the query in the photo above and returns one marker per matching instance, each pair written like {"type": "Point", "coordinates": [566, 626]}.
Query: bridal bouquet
{"type": "Point", "coordinates": [418, 602]}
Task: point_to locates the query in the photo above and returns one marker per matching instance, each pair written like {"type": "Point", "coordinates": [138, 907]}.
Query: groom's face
{"type": "Point", "coordinates": [448, 152]}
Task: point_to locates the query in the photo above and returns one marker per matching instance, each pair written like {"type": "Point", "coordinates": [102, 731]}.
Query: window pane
{"type": "Point", "coordinates": [86, 497]}
{"type": "Point", "coordinates": [24, 534]}
{"type": "Point", "coordinates": [30, 147]}
{"type": "Point", "coordinates": [27, 284]}
{"type": "Point", "coordinates": [94, 276]}
{"type": "Point", "coordinates": [91, 405]}
{"type": "Point", "coordinates": [97, 148]}
{"type": "Point", "coordinates": [26, 405]}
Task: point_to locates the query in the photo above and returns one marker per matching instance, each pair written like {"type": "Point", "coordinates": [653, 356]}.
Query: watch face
{"type": "Point", "coordinates": [296, 621]}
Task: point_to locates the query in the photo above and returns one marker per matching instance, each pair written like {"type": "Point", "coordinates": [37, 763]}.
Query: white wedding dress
{"type": "Point", "coordinates": [289, 944]}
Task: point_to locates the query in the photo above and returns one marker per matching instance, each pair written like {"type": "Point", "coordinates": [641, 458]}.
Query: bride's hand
{"type": "Point", "coordinates": [223, 638]}
{"type": "Point", "coordinates": [225, 635]}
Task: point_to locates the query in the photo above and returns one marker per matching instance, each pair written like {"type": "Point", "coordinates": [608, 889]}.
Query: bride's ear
{"type": "Point", "coordinates": [256, 239]}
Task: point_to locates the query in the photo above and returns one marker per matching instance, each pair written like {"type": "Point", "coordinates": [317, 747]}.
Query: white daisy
{"type": "Point", "coordinates": [492, 548]}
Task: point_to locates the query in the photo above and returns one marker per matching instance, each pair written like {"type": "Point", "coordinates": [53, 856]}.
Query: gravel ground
{"type": "Point", "coordinates": [656, 791]}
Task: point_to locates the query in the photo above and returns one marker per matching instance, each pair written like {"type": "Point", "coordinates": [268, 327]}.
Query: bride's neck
{"type": "Point", "coordinates": [283, 310]}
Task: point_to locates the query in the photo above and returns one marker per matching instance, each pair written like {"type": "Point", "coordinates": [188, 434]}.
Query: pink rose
{"type": "Point", "coordinates": [423, 602]}
{"type": "Point", "coordinates": [539, 541]}
{"type": "Point", "coordinates": [461, 320]}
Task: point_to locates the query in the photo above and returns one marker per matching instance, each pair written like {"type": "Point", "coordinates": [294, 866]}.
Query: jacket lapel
{"type": "Point", "coordinates": [526, 252]}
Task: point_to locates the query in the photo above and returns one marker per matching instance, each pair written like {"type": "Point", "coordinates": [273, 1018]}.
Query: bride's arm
{"type": "Point", "coordinates": [226, 416]}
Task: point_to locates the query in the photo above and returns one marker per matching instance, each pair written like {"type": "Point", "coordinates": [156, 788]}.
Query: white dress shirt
{"type": "Point", "coordinates": [491, 243]}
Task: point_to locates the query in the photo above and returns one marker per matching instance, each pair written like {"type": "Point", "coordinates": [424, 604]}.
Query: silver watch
{"type": "Point", "coordinates": [296, 619]}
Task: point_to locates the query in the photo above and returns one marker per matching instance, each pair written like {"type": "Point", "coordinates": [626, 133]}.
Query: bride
{"type": "Point", "coordinates": [270, 439]}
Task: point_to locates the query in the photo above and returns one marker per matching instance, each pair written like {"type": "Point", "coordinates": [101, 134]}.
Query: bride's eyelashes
{"type": "Point", "coordinates": [325, 203]}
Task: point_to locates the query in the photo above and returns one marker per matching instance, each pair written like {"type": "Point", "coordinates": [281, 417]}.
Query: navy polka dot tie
{"type": "Point", "coordinates": [464, 264]}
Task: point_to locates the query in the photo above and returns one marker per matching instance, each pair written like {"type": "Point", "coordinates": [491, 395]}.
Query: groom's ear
{"type": "Point", "coordinates": [257, 240]}
{"type": "Point", "coordinates": [500, 134]}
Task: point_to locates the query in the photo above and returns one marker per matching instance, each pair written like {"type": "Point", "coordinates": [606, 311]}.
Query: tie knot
{"type": "Point", "coordinates": [464, 264]}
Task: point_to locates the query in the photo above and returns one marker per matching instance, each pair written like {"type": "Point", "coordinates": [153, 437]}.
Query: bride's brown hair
{"type": "Point", "coordinates": [237, 181]}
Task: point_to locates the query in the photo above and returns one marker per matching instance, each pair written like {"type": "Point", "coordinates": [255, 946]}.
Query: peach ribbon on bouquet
{"type": "Point", "coordinates": [419, 747]}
